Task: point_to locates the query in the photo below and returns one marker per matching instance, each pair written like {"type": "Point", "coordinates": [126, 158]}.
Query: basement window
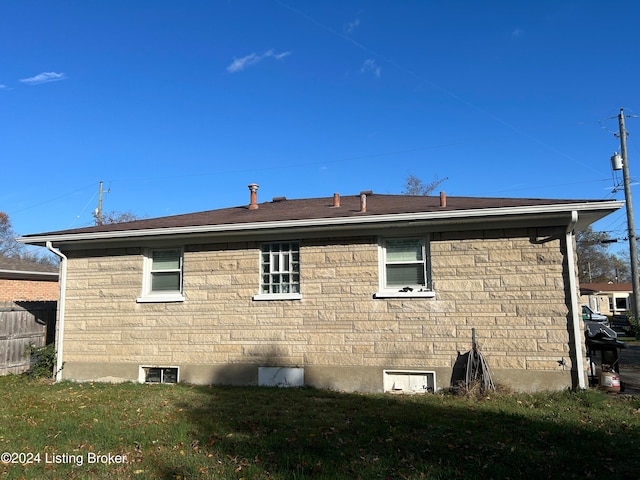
{"type": "Point", "coordinates": [409, 381]}
{"type": "Point", "coordinates": [280, 376]}
{"type": "Point", "coordinates": [158, 375]}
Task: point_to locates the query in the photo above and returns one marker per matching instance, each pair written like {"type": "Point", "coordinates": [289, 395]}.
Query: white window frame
{"type": "Point", "coordinates": [149, 296]}
{"type": "Point", "coordinates": [425, 291]}
{"type": "Point", "coordinates": [143, 372]}
{"type": "Point", "coordinates": [280, 263]}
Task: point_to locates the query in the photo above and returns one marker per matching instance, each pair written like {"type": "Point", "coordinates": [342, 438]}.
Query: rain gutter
{"type": "Point", "coordinates": [358, 220]}
{"type": "Point", "coordinates": [61, 308]}
{"type": "Point", "coordinates": [29, 275]}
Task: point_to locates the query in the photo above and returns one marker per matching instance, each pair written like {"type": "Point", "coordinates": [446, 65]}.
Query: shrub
{"type": "Point", "coordinates": [43, 361]}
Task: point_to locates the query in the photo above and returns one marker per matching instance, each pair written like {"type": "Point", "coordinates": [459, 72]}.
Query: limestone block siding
{"type": "Point", "coordinates": [507, 284]}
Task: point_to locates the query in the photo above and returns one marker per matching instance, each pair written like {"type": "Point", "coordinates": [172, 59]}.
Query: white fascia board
{"type": "Point", "coordinates": [27, 274]}
{"type": "Point", "coordinates": [354, 221]}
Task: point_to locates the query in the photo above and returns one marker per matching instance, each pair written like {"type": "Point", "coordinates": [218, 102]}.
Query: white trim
{"type": "Point", "coordinates": [61, 310]}
{"type": "Point", "coordinates": [418, 290]}
{"type": "Point", "coordinates": [158, 298]}
{"type": "Point", "coordinates": [448, 215]}
{"type": "Point", "coordinates": [146, 295]}
{"type": "Point", "coordinates": [26, 274]}
{"type": "Point", "coordinates": [277, 296]}
{"type": "Point", "coordinates": [142, 374]}
{"type": "Point", "coordinates": [387, 383]}
{"type": "Point", "coordinates": [392, 294]}
{"type": "Point", "coordinates": [576, 311]}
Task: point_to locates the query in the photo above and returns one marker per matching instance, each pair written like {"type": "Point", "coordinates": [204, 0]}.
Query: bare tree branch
{"type": "Point", "coordinates": [415, 186]}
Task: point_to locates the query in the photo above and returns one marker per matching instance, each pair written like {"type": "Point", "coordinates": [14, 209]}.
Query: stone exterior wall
{"type": "Point", "coordinates": [507, 284]}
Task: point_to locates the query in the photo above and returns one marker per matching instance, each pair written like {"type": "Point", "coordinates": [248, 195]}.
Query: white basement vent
{"type": "Point", "coordinates": [280, 377]}
{"type": "Point", "coordinates": [158, 375]}
{"type": "Point", "coordinates": [409, 381]}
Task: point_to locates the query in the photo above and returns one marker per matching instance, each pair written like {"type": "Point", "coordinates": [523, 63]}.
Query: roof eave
{"type": "Point", "coordinates": [594, 211]}
{"type": "Point", "coordinates": [29, 275]}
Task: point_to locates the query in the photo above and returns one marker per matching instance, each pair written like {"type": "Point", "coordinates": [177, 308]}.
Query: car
{"type": "Point", "coordinates": [591, 316]}
{"type": "Point", "coordinates": [622, 324]}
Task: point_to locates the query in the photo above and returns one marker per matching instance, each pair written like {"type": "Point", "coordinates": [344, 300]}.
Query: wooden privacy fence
{"type": "Point", "coordinates": [23, 324]}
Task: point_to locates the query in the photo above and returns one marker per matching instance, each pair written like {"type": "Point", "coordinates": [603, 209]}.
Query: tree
{"type": "Point", "coordinates": [115, 217]}
{"type": "Point", "coordinates": [8, 245]}
{"type": "Point", "coordinates": [595, 263]}
{"type": "Point", "coordinates": [40, 255]}
{"type": "Point", "coordinates": [415, 186]}
{"type": "Point", "coordinates": [10, 248]}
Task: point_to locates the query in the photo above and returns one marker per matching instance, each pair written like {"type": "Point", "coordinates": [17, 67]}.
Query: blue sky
{"type": "Point", "coordinates": [178, 105]}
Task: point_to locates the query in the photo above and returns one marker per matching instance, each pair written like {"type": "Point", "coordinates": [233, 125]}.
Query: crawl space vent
{"type": "Point", "coordinates": [280, 377]}
{"type": "Point", "coordinates": [409, 381]}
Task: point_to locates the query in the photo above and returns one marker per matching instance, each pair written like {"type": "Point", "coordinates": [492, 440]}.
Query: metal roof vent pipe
{"type": "Point", "coordinates": [336, 200]}
{"type": "Point", "coordinates": [253, 202]}
{"type": "Point", "coordinates": [443, 199]}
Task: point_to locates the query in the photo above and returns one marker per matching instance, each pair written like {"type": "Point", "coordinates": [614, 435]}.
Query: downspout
{"type": "Point", "coordinates": [573, 296]}
{"type": "Point", "coordinates": [61, 309]}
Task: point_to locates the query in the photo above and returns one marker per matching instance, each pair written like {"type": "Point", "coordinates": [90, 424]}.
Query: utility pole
{"type": "Point", "coordinates": [633, 247]}
{"type": "Point", "coordinates": [99, 209]}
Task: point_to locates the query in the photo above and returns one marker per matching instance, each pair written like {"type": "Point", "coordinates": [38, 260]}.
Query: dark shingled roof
{"type": "Point", "coordinates": [281, 209]}
{"type": "Point", "coordinates": [606, 287]}
{"type": "Point", "coordinates": [19, 265]}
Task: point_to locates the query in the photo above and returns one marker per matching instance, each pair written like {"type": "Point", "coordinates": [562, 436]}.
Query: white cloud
{"type": "Point", "coordinates": [370, 66]}
{"type": "Point", "coordinates": [349, 27]}
{"type": "Point", "coordinates": [280, 56]}
{"type": "Point", "coordinates": [44, 77]}
{"type": "Point", "coordinates": [517, 32]}
{"type": "Point", "coordinates": [3, 87]}
{"type": "Point", "coordinates": [240, 64]}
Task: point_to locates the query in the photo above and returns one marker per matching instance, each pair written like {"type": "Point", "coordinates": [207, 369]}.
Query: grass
{"type": "Point", "coordinates": [184, 432]}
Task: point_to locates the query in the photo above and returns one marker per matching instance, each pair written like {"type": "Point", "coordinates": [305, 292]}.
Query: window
{"type": "Point", "coordinates": [158, 374]}
{"type": "Point", "coordinates": [279, 271]}
{"type": "Point", "coordinates": [162, 280]}
{"type": "Point", "coordinates": [404, 268]}
{"type": "Point", "coordinates": [409, 381]}
{"type": "Point", "coordinates": [622, 303]}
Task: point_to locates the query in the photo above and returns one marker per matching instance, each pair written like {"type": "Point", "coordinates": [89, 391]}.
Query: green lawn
{"type": "Point", "coordinates": [181, 432]}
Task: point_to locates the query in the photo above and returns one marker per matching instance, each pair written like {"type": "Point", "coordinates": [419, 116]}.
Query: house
{"type": "Point", "coordinates": [607, 298]}
{"type": "Point", "coordinates": [363, 292]}
{"type": "Point", "coordinates": [28, 301]}
{"type": "Point", "coordinates": [27, 280]}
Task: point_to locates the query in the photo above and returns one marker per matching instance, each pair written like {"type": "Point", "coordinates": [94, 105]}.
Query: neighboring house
{"type": "Point", "coordinates": [26, 280]}
{"type": "Point", "coordinates": [365, 292]}
{"type": "Point", "coordinates": [28, 297]}
{"type": "Point", "coordinates": [607, 298]}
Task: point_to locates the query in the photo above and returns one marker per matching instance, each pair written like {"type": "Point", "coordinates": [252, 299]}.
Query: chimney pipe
{"type": "Point", "coordinates": [363, 202]}
{"type": "Point", "coordinates": [253, 203]}
{"type": "Point", "coordinates": [336, 200]}
{"type": "Point", "coordinates": [443, 199]}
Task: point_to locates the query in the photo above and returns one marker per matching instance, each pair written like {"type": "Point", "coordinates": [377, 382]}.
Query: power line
{"type": "Point", "coordinates": [430, 83]}
{"type": "Point", "coordinates": [50, 200]}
